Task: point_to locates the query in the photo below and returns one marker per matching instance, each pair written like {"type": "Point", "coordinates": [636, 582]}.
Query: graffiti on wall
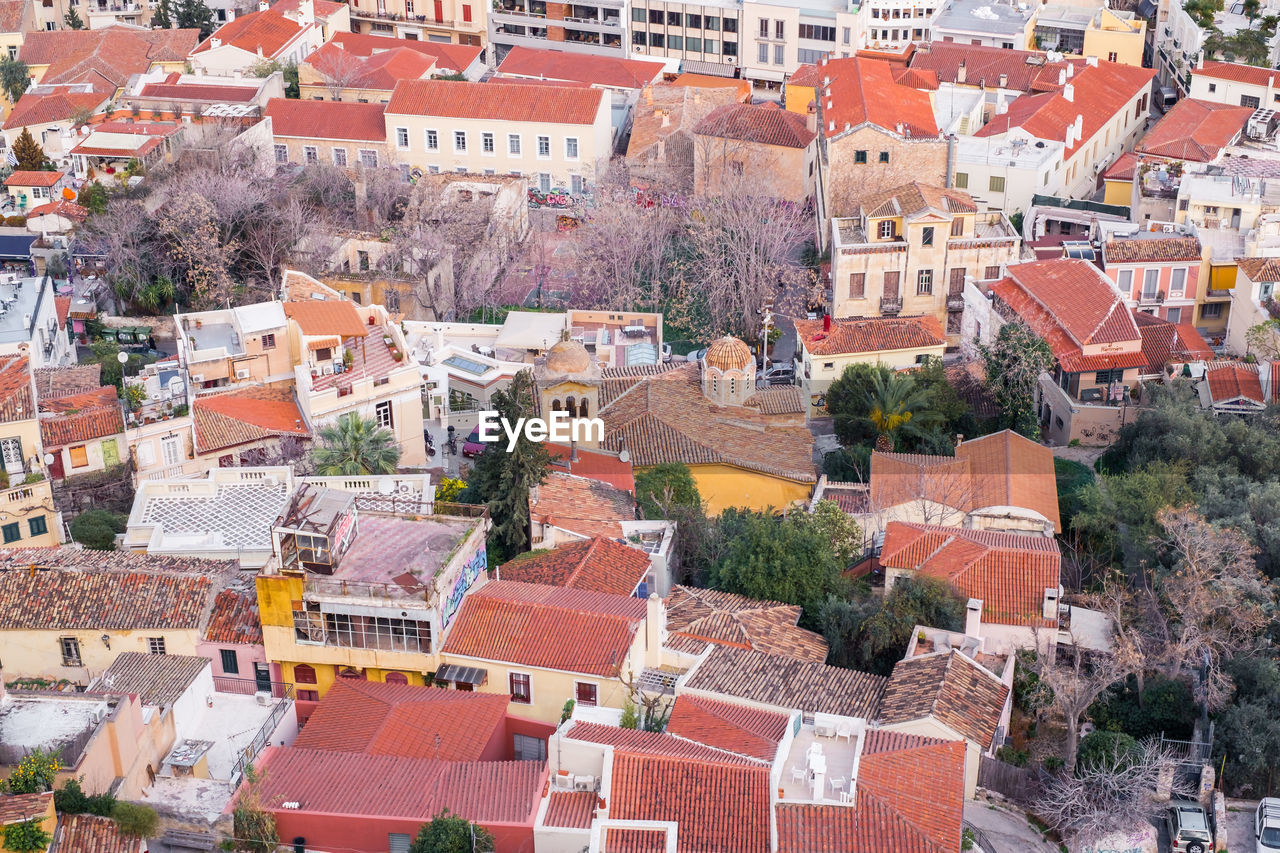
{"type": "Point", "coordinates": [556, 198]}
{"type": "Point", "coordinates": [477, 564]}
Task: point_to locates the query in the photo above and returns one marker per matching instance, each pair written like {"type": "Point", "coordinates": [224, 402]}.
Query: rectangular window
{"type": "Point", "coordinates": [763, 54]}
{"type": "Point", "coordinates": [712, 24]}
{"type": "Point", "coordinates": [1211, 312]}
{"type": "Point", "coordinates": [638, 15]}
{"type": "Point", "coordinates": [991, 273]}
{"type": "Point", "coordinates": [693, 45]}
{"type": "Point", "coordinates": [12, 532]}
{"type": "Point", "coordinates": [730, 47]}
{"type": "Point", "coordinates": [571, 148]}
{"type": "Point", "coordinates": [996, 184]}
{"type": "Point", "coordinates": [310, 155]}
{"type": "Point", "coordinates": [844, 35]}
{"type": "Point", "coordinates": [576, 184]}
{"type": "Point", "coordinates": [459, 140]}
{"type": "Point", "coordinates": [1175, 315]}
{"type": "Point", "coordinates": [368, 158]}
{"type": "Point", "coordinates": [586, 694]}
{"type": "Point", "coordinates": [779, 54]}
{"type": "Point", "coordinates": [657, 40]}
{"type": "Point", "coordinates": [857, 285]}
{"type": "Point", "coordinates": [817, 33]}
{"type": "Point", "coordinates": [764, 28]}
{"type": "Point", "coordinates": [544, 182]}
{"type": "Point", "coordinates": [961, 181]}
{"type": "Point", "coordinates": [675, 42]}
{"type": "Point", "coordinates": [730, 25]}
{"type": "Point", "coordinates": [924, 282]}
{"type": "Point", "coordinates": [887, 229]}
{"type": "Point", "coordinates": [1250, 101]}
{"type": "Point", "coordinates": [955, 287]}
{"type": "Point", "coordinates": [382, 414]}
{"type": "Point", "coordinates": [1150, 284]}
{"type": "Point", "coordinates": [230, 665]}
{"type": "Point", "coordinates": [155, 645]}
{"type": "Point", "coordinates": [269, 340]}
{"type": "Point", "coordinates": [70, 651]}
{"type": "Point", "coordinates": [655, 17]}
{"type": "Point", "coordinates": [779, 30]}
{"type": "Point", "coordinates": [398, 842]}
{"type": "Point", "coordinates": [860, 157]}
{"type": "Point", "coordinates": [433, 140]}
{"type": "Point", "coordinates": [486, 143]}
{"type": "Point", "coordinates": [675, 19]}
{"type": "Point", "coordinates": [693, 21]}
{"type": "Point", "coordinates": [402, 137]}
{"type": "Point", "coordinates": [521, 690]}
{"type": "Point", "coordinates": [38, 526]}
{"type": "Point", "coordinates": [1106, 377]}
{"type": "Point", "coordinates": [79, 456]}
{"type": "Point", "coordinates": [513, 144]}
{"type": "Point", "coordinates": [926, 236]}
{"type": "Point", "coordinates": [544, 146]}
{"type": "Point", "coordinates": [710, 45]}
{"type": "Point", "coordinates": [1177, 282]}
{"type": "Point", "coordinates": [282, 153]}
{"type": "Point", "coordinates": [1124, 279]}
{"type": "Point", "coordinates": [884, 156]}
{"type": "Point", "coordinates": [340, 157]}
{"type": "Point", "coordinates": [638, 37]}
{"type": "Point", "coordinates": [527, 748]}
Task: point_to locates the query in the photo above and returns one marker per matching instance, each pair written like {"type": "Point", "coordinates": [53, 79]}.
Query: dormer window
{"type": "Point", "coordinates": [886, 229]}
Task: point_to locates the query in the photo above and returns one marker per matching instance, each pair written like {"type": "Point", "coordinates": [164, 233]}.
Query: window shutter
{"type": "Point", "coordinates": [398, 842]}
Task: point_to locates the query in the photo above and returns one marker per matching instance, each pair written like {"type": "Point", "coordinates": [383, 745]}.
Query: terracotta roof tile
{"type": "Point", "coordinates": [240, 417]}
{"type": "Point", "coordinates": [1008, 572]}
{"type": "Point", "coordinates": [871, 826]}
{"type": "Point", "coordinates": [546, 626]}
{"type": "Point", "coordinates": [920, 778]}
{"type": "Point", "coordinates": [580, 505]}
{"type": "Point", "coordinates": [666, 111]}
{"type": "Point", "coordinates": [572, 809]}
{"type": "Point", "coordinates": [103, 396]}
{"type": "Point", "coordinates": [326, 316]}
{"type": "Point", "coordinates": [201, 92]}
{"type": "Point", "coordinates": [598, 564]}
{"type": "Point", "coordinates": [340, 783]}
{"type": "Point", "coordinates": [918, 199]}
{"type": "Point", "coordinates": [16, 402]}
{"type": "Point", "coordinates": [863, 91]}
{"type": "Point", "coordinates": [735, 620]}
{"type": "Point", "coordinates": [12, 13]}
{"type": "Point", "coordinates": [951, 689]}
{"type": "Point", "coordinates": [1260, 269]}
{"type": "Point", "coordinates": [1232, 382]}
{"type": "Point", "coordinates": [784, 682]}
{"type": "Point", "coordinates": [716, 806]}
{"type": "Point", "coordinates": [766, 124]}
{"type": "Point", "coordinates": [80, 417]}
{"type": "Point", "coordinates": [870, 334]}
{"type": "Point", "coordinates": [593, 464]}
{"type": "Point", "coordinates": [155, 679]}
{"type": "Point", "coordinates": [22, 178]}
{"type": "Point", "coordinates": [453, 57]}
{"type": "Point", "coordinates": [326, 120]}
{"type": "Point", "coordinates": [1099, 93]}
{"type": "Point", "coordinates": [103, 58]}
{"type": "Point", "coordinates": [1022, 70]}
{"type": "Point", "coordinates": [640, 742]}
{"type": "Point", "coordinates": [634, 840]}
{"type": "Point", "coordinates": [18, 807]}
{"type": "Point", "coordinates": [68, 210]}
{"type": "Point", "coordinates": [86, 833]}
{"type": "Point", "coordinates": [579, 68]}
{"type": "Point", "coordinates": [405, 721]}
{"type": "Point", "coordinates": [265, 32]}
{"type": "Point", "coordinates": [59, 105]}
{"type": "Point", "coordinates": [1195, 130]}
{"type": "Point", "coordinates": [666, 418]}
{"type": "Point", "coordinates": [736, 728]}
{"type": "Point", "coordinates": [708, 81]}
{"type": "Point", "coordinates": [1148, 249]}
{"type": "Point", "coordinates": [969, 378]}
{"type": "Point", "coordinates": [53, 382]}
{"type": "Point", "coordinates": [67, 599]}
{"type": "Point", "coordinates": [380, 71]}
{"type": "Point", "coordinates": [779, 400]}
{"type": "Point", "coordinates": [1239, 73]}
{"type": "Point", "coordinates": [1164, 342]}
{"type": "Point", "coordinates": [495, 101]}
{"type": "Point", "coordinates": [235, 619]}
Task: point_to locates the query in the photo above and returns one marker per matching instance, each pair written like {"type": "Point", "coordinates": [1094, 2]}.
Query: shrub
{"type": "Point", "coordinates": [1053, 763]}
{"type": "Point", "coordinates": [15, 221]}
{"type": "Point", "coordinates": [97, 529]}
{"type": "Point", "coordinates": [1166, 706]}
{"type": "Point", "coordinates": [1105, 749]}
{"type": "Point", "coordinates": [1016, 757]}
{"type": "Point", "coordinates": [71, 799]}
{"type": "Point", "coordinates": [35, 773]}
{"type": "Point", "coordinates": [135, 820]}
{"type": "Point", "coordinates": [26, 836]}
{"type": "Point", "coordinates": [630, 717]}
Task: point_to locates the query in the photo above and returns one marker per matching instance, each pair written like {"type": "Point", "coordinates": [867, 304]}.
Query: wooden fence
{"type": "Point", "coordinates": [1016, 783]}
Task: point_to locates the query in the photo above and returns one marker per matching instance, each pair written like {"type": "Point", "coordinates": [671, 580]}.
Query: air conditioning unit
{"type": "Point", "coordinates": [327, 370]}
{"type": "Point", "coordinates": [197, 377]}
{"type": "Point", "coordinates": [242, 373]}
{"type": "Point", "coordinates": [263, 697]}
{"type": "Point", "coordinates": [1168, 229]}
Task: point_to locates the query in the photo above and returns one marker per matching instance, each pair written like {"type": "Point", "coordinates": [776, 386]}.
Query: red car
{"type": "Point", "coordinates": [473, 446]}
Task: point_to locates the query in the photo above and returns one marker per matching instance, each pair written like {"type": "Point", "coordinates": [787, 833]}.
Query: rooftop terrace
{"type": "Point", "coordinates": [48, 721]}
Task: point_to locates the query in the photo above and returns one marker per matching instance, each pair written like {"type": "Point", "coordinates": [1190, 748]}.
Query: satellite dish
{"type": "Point", "coordinates": [48, 459]}
{"type": "Point", "coordinates": [624, 456]}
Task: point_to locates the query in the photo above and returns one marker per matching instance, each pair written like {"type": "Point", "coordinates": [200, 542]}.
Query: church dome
{"type": "Point", "coordinates": [728, 353]}
{"type": "Point", "coordinates": [568, 357]}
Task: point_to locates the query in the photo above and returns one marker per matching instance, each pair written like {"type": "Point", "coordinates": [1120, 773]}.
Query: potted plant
{"type": "Point", "coordinates": [348, 358]}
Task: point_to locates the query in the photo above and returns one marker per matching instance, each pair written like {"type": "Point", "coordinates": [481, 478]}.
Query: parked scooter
{"type": "Point", "coordinates": [431, 448]}
{"type": "Point", "coordinates": [452, 443]}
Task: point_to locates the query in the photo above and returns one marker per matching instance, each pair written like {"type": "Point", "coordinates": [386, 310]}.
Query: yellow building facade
{"type": "Point", "coordinates": [726, 486]}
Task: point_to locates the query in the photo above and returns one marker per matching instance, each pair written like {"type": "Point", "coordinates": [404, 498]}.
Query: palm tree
{"type": "Point", "coordinates": [354, 445]}
{"type": "Point", "coordinates": [897, 404]}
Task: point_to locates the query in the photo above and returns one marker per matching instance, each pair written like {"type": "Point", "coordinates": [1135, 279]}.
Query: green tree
{"type": "Point", "coordinates": [1117, 514]}
{"type": "Point", "coordinates": [72, 20]}
{"type": "Point", "coordinates": [1103, 748]}
{"type": "Point", "coordinates": [354, 445]}
{"type": "Point", "coordinates": [289, 70]}
{"type": "Point", "coordinates": [93, 197]}
{"type": "Point", "coordinates": [874, 637]}
{"type": "Point", "coordinates": [161, 19]}
{"type": "Point", "coordinates": [71, 799]}
{"type": "Point", "coordinates": [1072, 478]}
{"type": "Point", "coordinates": [193, 15]}
{"type": "Point", "coordinates": [448, 833]}
{"type": "Point", "coordinates": [1248, 728]}
{"type": "Point", "coordinates": [1014, 362]}
{"type": "Point", "coordinates": [664, 486]}
{"type": "Point", "coordinates": [502, 480]}
{"type": "Point", "coordinates": [14, 78]}
{"type": "Point", "coordinates": [26, 836]}
{"type": "Point", "coordinates": [134, 820]}
{"type": "Point", "coordinates": [27, 151]}
{"type": "Point", "coordinates": [96, 529]}
{"type": "Point", "coordinates": [848, 402]}
{"type": "Point", "coordinates": [955, 415]}
{"type": "Point", "coordinates": [899, 404]}
{"type": "Point", "coordinates": [254, 827]}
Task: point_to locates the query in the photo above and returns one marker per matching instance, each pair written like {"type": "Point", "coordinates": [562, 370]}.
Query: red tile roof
{"type": "Point", "coordinates": [1260, 269]}
{"type": "Point", "coordinates": [766, 124]}
{"type": "Point", "coordinates": [783, 682]}
{"type": "Point", "coordinates": [452, 57]}
{"type": "Point", "coordinates": [599, 564]}
{"type": "Point", "coordinates": [736, 728]}
{"type": "Point", "coordinates": [587, 507]}
{"type": "Point", "coordinates": [265, 32]}
{"type": "Point", "coordinates": [1251, 74]}
{"type": "Point", "coordinates": [235, 619]}
{"type": "Point", "coordinates": [496, 101]}
{"type": "Point", "coordinates": [16, 403]}
{"type": "Point", "coordinates": [68, 599]}
{"type": "Point", "coordinates": [1070, 304]}
{"type": "Point", "coordinates": [381, 71]}
{"type": "Point", "coordinates": [709, 81]}
{"type": "Point", "coordinates": [1099, 93]}
{"type": "Point", "coordinates": [405, 721]}
{"type": "Point", "coordinates": [634, 840]}
{"type": "Point", "coordinates": [546, 626]}
{"type": "Point", "coordinates": [327, 120]}
{"type": "Point", "coordinates": [870, 334]}
{"type": "Point", "coordinates": [863, 91]}
{"type": "Point", "coordinates": [723, 618]}
{"type": "Point", "coordinates": [69, 210]}
{"type": "Point", "coordinates": [244, 416]}
{"type": "Point", "coordinates": [917, 199]}
{"type": "Point", "coordinates": [1022, 70]}
{"type": "Point", "coordinates": [1151, 249]}
{"type": "Point", "coordinates": [86, 833]}
{"type": "Point", "coordinates": [593, 464]}
{"type": "Point", "coordinates": [572, 809]}
{"type": "Point", "coordinates": [353, 784]}
{"type": "Point", "coordinates": [19, 807]}
{"type": "Point", "coordinates": [718, 807]}
{"type": "Point", "coordinates": [60, 105]}
{"type": "Point", "coordinates": [1233, 382]}
{"type": "Point", "coordinates": [326, 316]}
{"type": "Point", "coordinates": [1008, 572]}
{"type": "Point", "coordinates": [579, 67]}
{"type": "Point", "coordinates": [950, 688]}
{"type": "Point", "coordinates": [640, 742]}
{"type": "Point", "coordinates": [12, 13]}
{"type": "Point", "coordinates": [201, 92]}
{"type": "Point", "coordinates": [1195, 130]}
{"type": "Point", "coordinates": [80, 417]}
{"type": "Point", "coordinates": [105, 58]}
{"type": "Point", "coordinates": [21, 178]}
{"type": "Point", "coordinates": [1164, 342]}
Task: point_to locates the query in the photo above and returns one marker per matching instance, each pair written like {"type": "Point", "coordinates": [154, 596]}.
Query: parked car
{"type": "Point", "coordinates": [666, 353]}
{"type": "Point", "coordinates": [1266, 826]}
{"type": "Point", "coordinates": [779, 373]}
{"type": "Point", "coordinates": [473, 446]}
{"type": "Point", "coordinates": [1188, 827]}
{"type": "Point", "coordinates": [696, 355]}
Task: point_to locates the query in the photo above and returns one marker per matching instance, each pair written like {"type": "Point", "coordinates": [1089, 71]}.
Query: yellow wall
{"type": "Point", "coordinates": [48, 820]}
{"type": "Point", "coordinates": [1118, 192]}
{"type": "Point", "coordinates": [820, 377]}
{"type": "Point", "coordinates": [724, 486]}
{"type": "Point", "coordinates": [38, 653]}
{"type": "Point", "coordinates": [1115, 35]}
{"type": "Point", "coordinates": [798, 98]}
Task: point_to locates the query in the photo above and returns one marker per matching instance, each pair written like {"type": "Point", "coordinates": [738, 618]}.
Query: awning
{"type": "Point", "coordinates": [461, 674]}
{"type": "Point", "coordinates": [714, 69]}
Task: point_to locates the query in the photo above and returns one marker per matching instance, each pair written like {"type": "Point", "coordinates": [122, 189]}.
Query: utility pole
{"type": "Point", "coordinates": [766, 325]}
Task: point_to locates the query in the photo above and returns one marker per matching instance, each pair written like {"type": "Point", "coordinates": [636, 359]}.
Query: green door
{"type": "Point", "coordinates": [110, 453]}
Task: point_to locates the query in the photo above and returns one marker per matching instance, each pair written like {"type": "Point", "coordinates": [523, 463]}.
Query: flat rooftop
{"type": "Point", "coordinates": [31, 721]}
{"type": "Point", "coordinates": [235, 517]}
{"type": "Point", "coordinates": [983, 16]}
{"type": "Point", "coordinates": [1001, 152]}
{"type": "Point", "coordinates": [386, 548]}
{"type": "Point", "coordinates": [19, 305]}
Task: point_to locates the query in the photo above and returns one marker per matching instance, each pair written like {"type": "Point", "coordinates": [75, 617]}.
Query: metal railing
{"type": "Point", "coordinates": [980, 838]}
{"type": "Point", "coordinates": [251, 687]}
{"type": "Point", "coordinates": [250, 752]}
{"type": "Point", "coordinates": [890, 306]}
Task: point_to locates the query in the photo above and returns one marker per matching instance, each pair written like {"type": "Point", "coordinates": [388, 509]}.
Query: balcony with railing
{"type": "Point", "coordinates": [891, 305]}
{"type": "Point", "coordinates": [1151, 297]}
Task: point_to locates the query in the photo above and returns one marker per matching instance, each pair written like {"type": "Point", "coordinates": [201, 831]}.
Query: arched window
{"type": "Point", "coordinates": [396, 678]}
{"type": "Point", "coordinates": [303, 674]}
{"type": "Point", "coordinates": [582, 408]}
{"type": "Point", "coordinates": [555, 405]}
{"type": "Point", "coordinates": [351, 673]}
{"type": "Point", "coordinates": [570, 406]}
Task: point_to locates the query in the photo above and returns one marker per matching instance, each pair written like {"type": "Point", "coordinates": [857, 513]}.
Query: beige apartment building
{"type": "Point", "coordinates": [910, 250]}
{"type": "Point", "coordinates": [779, 37]}
{"type": "Point", "coordinates": [557, 137]}
{"type": "Point", "coordinates": [443, 21]}
{"type": "Point", "coordinates": [248, 345]}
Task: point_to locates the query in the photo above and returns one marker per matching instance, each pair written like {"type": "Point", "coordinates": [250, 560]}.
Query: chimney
{"type": "Point", "coordinates": [973, 618]}
{"type": "Point", "coordinates": [1069, 92]}
{"type": "Point", "coordinates": [306, 12]}
{"type": "Point", "coordinates": [655, 629]}
{"type": "Point", "coordinates": [1071, 70]}
{"type": "Point", "coordinates": [261, 55]}
{"type": "Point", "coordinates": [826, 322]}
{"type": "Point", "coordinates": [1004, 81]}
{"type": "Point", "coordinates": [1091, 61]}
{"type": "Point", "coordinates": [962, 73]}
{"type": "Point", "coordinates": [214, 41]}
{"type": "Point", "coordinates": [1062, 76]}
{"type": "Point", "coordinates": [263, 5]}
{"type": "Point", "coordinates": [666, 119]}
{"type": "Point", "coordinates": [811, 118]}
{"type": "Point", "coordinates": [1079, 126]}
